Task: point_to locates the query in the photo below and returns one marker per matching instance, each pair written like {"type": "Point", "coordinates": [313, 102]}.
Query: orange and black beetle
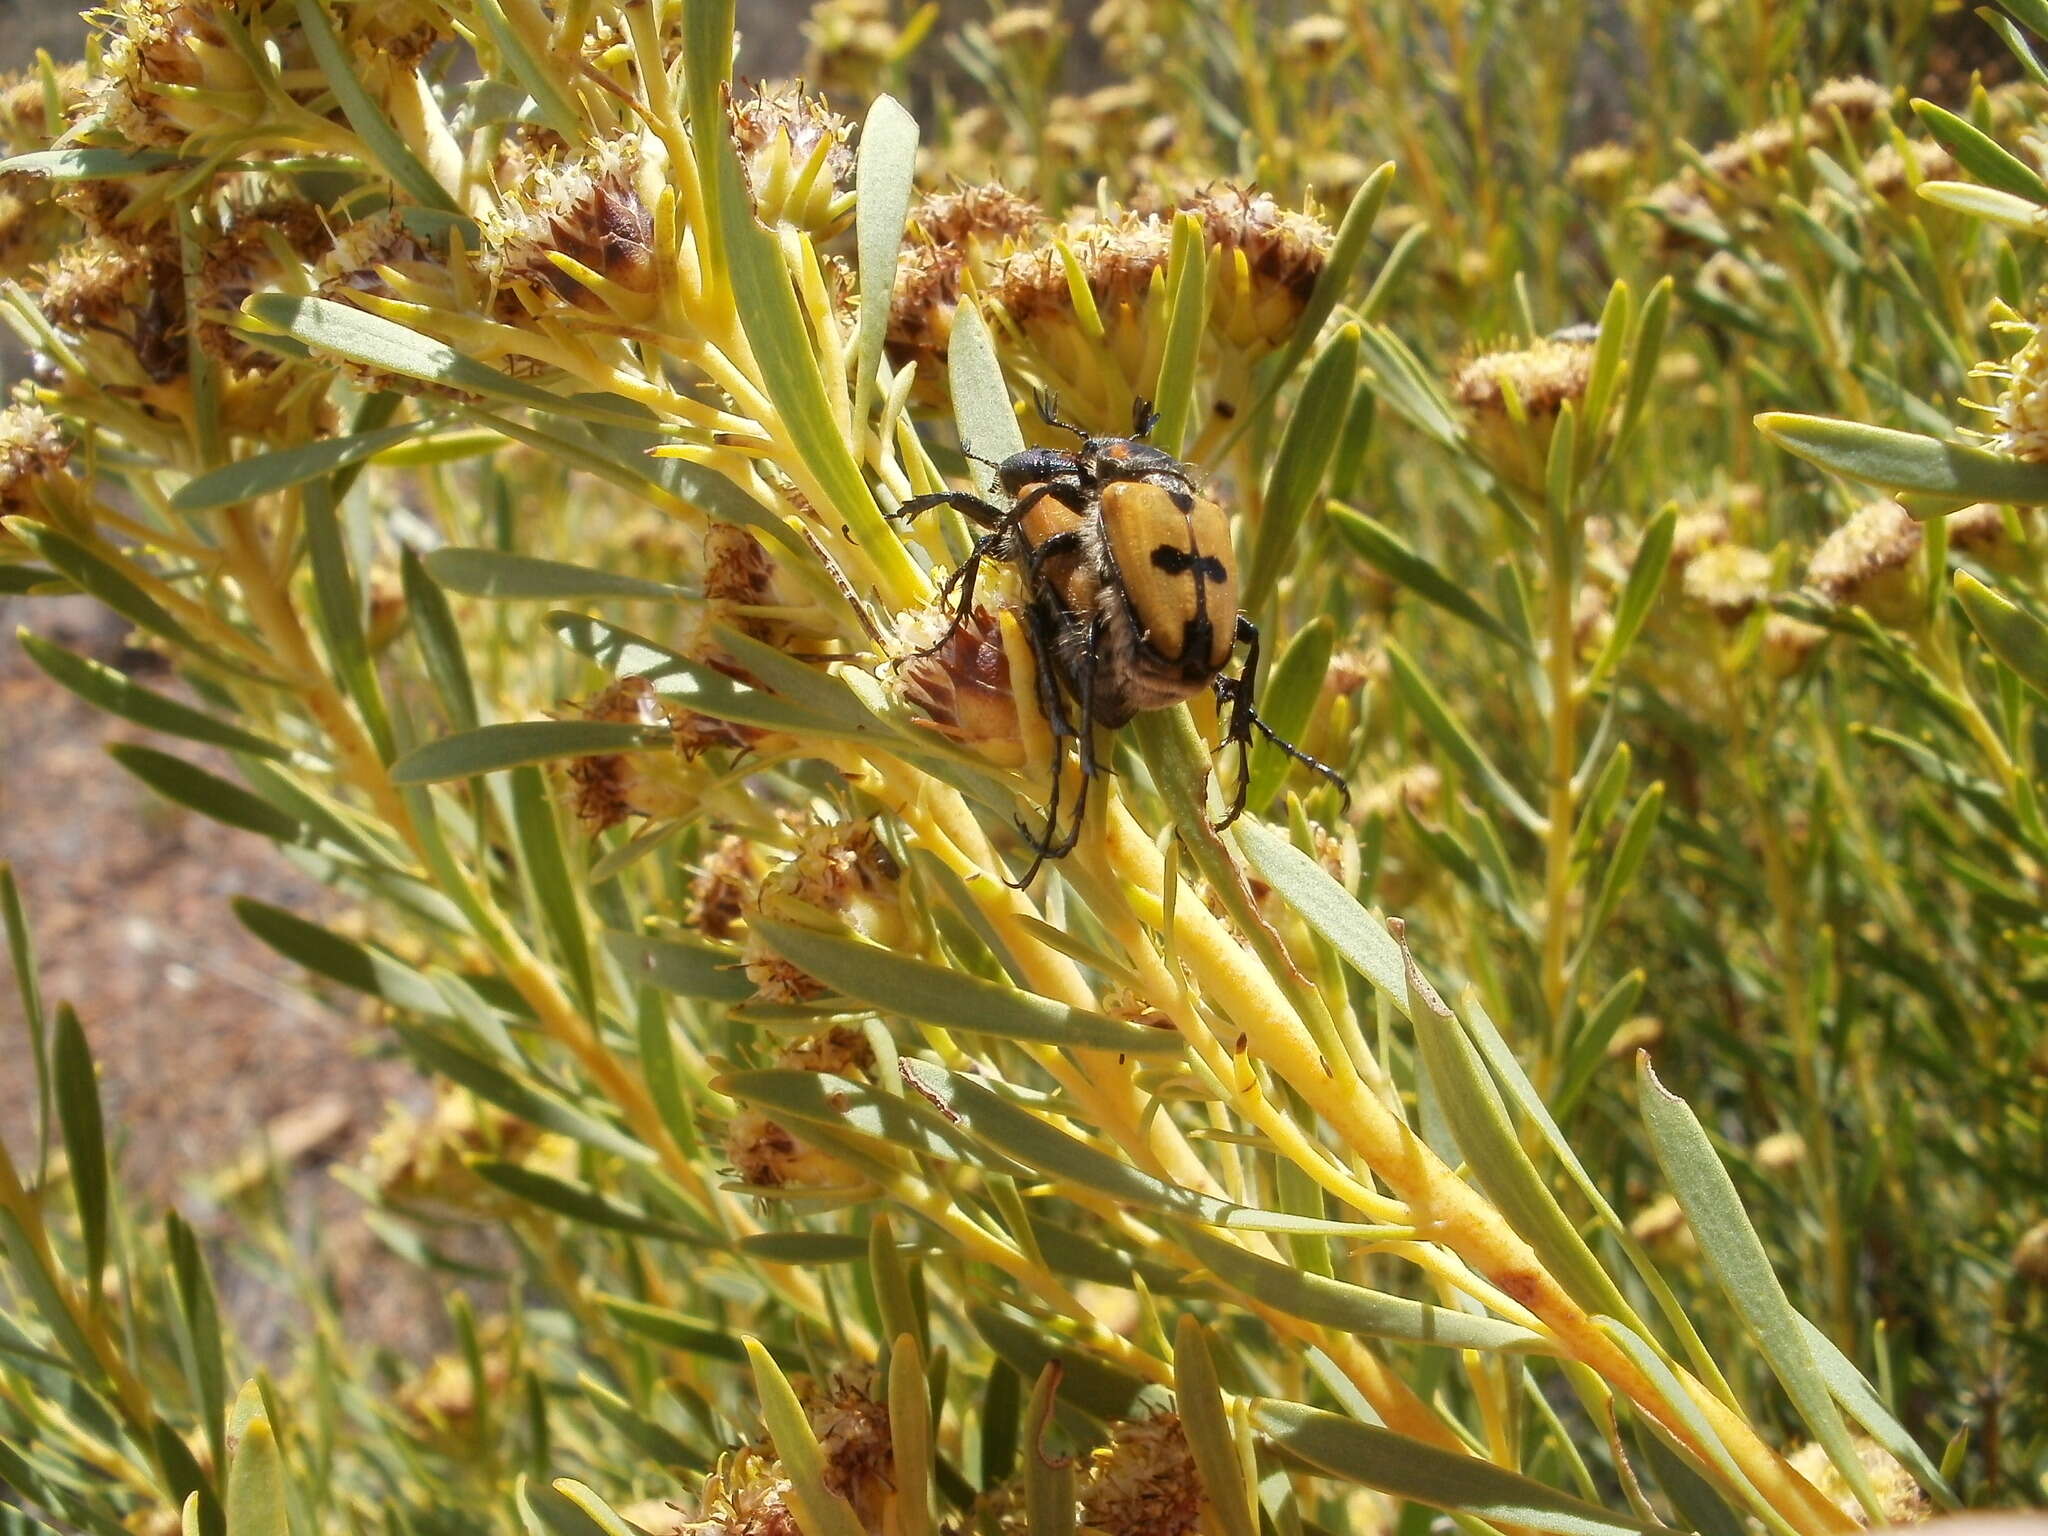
{"type": "Point", "coordinates": [1132, 593]}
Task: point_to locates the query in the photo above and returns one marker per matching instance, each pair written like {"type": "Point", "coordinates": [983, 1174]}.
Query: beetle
{"type": "Point", "coordinates": [1131, 596]}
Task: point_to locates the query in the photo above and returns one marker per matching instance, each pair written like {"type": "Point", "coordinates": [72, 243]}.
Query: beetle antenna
{"type": "Point", "coordinates": [1143, 418]}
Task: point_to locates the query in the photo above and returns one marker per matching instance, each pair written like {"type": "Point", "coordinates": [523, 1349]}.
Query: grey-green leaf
{"type": "Point", "coordinates": [266, 473]}
{"type": "Point", "coordinates": [492, 747]}
{"type": "Point", "coordinates": [1736, 1255]}
{"type": "Point", "coordinates": [682, 966]}
{"type": "Point", "coordinates": [1449, 1480]}
{"type": "Point", "coordinates": [506, 577]}
{"type": "Point", "coordinates": [953, 1000]}
{"type": "Point", "coordinates": [193, 787]}
{"type": "Point", "coordinates": [107, 688]}
{"type": "Point", "coordinates": [1906, 461]}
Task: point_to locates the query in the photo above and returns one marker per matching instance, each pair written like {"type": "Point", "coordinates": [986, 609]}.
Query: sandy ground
{"type": "Point", "coordinates": [209, 1044]}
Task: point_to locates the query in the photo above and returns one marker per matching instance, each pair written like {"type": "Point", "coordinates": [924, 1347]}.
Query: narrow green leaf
{"type": "Point", "coordinates": [789, 369]}
{"type": "Point", "coordinates": [1988, 203]}
{"type": "Point", "coordinates": [1187, 313]}
{"type": "Point", "coordinates": [338, 605]}
{"type": "Point", "coordinates": [1299, 464]}
{"type": "Point", "coordinates": [532, 1104]}
{"type": "Point", "coordinates": [1457, 743]}
{"type": "Point", "coordinates": [265, 474]}
{"type": "Point", "coordinates": [1099, 1390]}
{"type": "Point", "coordinates": [199, 1332]}
{"type": "Point", "coordinates": [1035, 1143]}
{"type": "Point", "coordinates": [607, 1519]}
{"type": "Point", "coordinates": [1906, 461]}
{"type": "Point", "coordinates": [673, 1330]}
{"type": "Point", "coordinates": [655, 1442]}
{"type": "Point", "coordinates": [2011, 634]}
{"type": "Point", "coordinates": [489, 748]}
{"type": "Point", "coordinates": [28, 989]}
{"type": "Point", "coordinates": [433, 626]}
{"type": "Point", "coordinates": [1639, 593]}
{"type": "Point", "coordinates": [505, 577]}
{"type": "Point", "coordinates": [1647, 347]}
{"type": "Point", "coordinates": [882, 178]}
{"type": "Point", "coordinates": [547, 867]}
{"type": "Point", "coordinates": [687, 683]}
{"type": "Point", "coordinates": [953, 1000]}
{"type": "Point", "coordinates": [1383, 549]}
{"type": "Point", "coordinates": [46, 1299]}
{"type": "Point", "coordinates": [820, 1511]}
{"type": "Point", "coordinates": [1352, 1308]}
{"type": "Point", "coordinates": [92, 574]}
{"type": "Point", "coordinates": [85, 1142]}
{"type": "Point", "coordinates": [1049, 1508]}
{"type": "Point", "coordinates": [1500, 1165]}
{"type": "Point", "coordinates": [1863, 1404]}
{"type": "Point", "coordinates": [981, 400]}
{"type": "Point", "coordinates": [382, 140]}
{"type": "Point", "coordinates": [256, 1493]}
{"type": "Point", "coordinates": [1198, 1398]}
{"type": "Point", "coordinates": [355, 965]}
{"type": "Point", "coordinates": [910, 1436]}
{"type": "Point", "coordinates": [372, 340]}
{"type": "Point", "coordinates": [1629, 853]}
{"type": "Point", "coordinates": [18, 580]}
{"type": "Point", "coordinates": [682, 966]}
{"type": "Point", "coordinates": [98, 163]}
{"type": "Point", "coordinates": [1976, 153]}
{"type": "Point", "coordinates": [107, 688]}
{"type": "Point", "coordinates": [1354, 234]}
{"type": "Point", "coordinates": [1449, 1480]}
{"type": "Point", "coordinates": [193, 787]}
{"type": "Point", "coordinates": [1736, 1255]}
{"type": "Point", "coordinates": [580, 1203]}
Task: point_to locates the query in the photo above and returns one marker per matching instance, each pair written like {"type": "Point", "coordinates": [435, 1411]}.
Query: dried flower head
{"type": "Point", "coordinates": [610, 787]}
{"type": "Point", "coordinates": [1898, 1496]}
{"type": "Point", "coordinates": [27, 101]}
{"type": "Point", "coordinates": [260, 245]}
{"type": "Point", "coordinates": [839, 868]}
{"type": "Point", "coordinates": [1994, 536]}
{"type": "Point", "coordinates": [443, 1396]}
{"type": "Point", "coordinates": [794, 151]}
{"type": "Point", "coordinates": [2030, 1256]}
{"type": "Point", "coordinates": [1893, 176]}
{"type": "Point", "coordinates": [746, 1495]}
{"type": "Point", "coordinates": [33, 456]}
{"type": "Point", "coordinates": [1857, 100]}
{"type": "Point", "coordinates": [1729, 581]}
{"type": "Point", "coordinates": [1602, 170]}
{"type": "Point", "coordinates": [841, 1050]}
{"type": "Point", "coordinates": [1315, 41]}
{"type": "Point", "coordinates": [2022, 411]}
{"type": "Point", "coordinates": [1025, 26]}
{"type": "Point", "coordinates": [1662, 1225]}
{"type": "Point", "coordinates": [966, 688]}
{"type": "Point", "coordinates": [171, 78]}
{"type": "Point", "coordinates": [766, 1154]}
{"type": "Point", "coordinates": [1681, 220]}
{"type": "Point", "coordinates": [425, 1161]}
{"type": "Point", "coordinates": [1872, 561]}
{"type": "Point", "coordinates": [948, 236]}
{"type": "Point", "coordinates": [1742, 166]}
{"type": "Point", "coordinates": [1512, 398]}
{"type": "Point", "coordinates": [725, 886]}
{"type": "Point", "coordinates": [1636, 1034]}
{"type": "Point", "coordinates": [1788, 643]}
{"type": "Point", "coordinates": [1781, 1152]}
{"type": "Point", "coordinates": [852, 1429]}
{"type": "Point", "coordinates": [1144, 1482]}
{"type": "Point", "coordinates": [588, 209]}
{"type": "Point", "coordinates": [1263, 263]}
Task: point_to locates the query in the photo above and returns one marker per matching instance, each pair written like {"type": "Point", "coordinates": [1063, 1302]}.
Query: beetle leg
{"type": "Point", "coordinates": [976, 509]}
{"type": "Point", "coordinates": [1048, 405]}
{"type": "Point", "coordinates": [1059, 544]}
{"type": "Point", "coordinates": [1244, 719]}
{"type": "Point", "coordinates": [1041, 843]}
{"type": "Point", "coordinates": [1084, 745]}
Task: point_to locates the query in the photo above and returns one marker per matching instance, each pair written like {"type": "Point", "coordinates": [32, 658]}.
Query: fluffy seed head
{"type": "Point", "coordinates": [1781, 1152]}
{"type": "Point", "coordinates": [33, 453]}
{"type": "Point", "coordinates": [1144, 1482]}
{"type": "Point", "coordinates": [610, 787]}
{"type": "Point", "coordinates": [852, 1429]}
{"type": "Point", "coordinates": [587, 208]}
{"type": "Point", "coordinates": [1315, 41]}
{"type": "Point", "coordinates": [1636, 1034]}
{"type": "Point", "coordinates": [1788, 642]}
{"type": "Point", "coordinates": [1728, 581]}
{"type": "Point", "coordinates": [1859, 101]}
{"type": "Point", "coordinates": [2030, 1256]}
{"type": "Point", "coordinates": [1602, 170]}
{"type": "Point", "coordinates": [725, 886]}
{"type": "Point", "coordinates": [1898, 1496]}
{"type": "Point", "coordinates": [794, 151]}
{"type": "Point", "coordinates": [1512, 398]}
{"type": "Point", "coordinates": [1891, 175]}
{"type": "Point", "coordinates": [746, 1496]}
{"type": "Point", "coordinates": [1872, 561]}
{"type": "Point", "coordinates": [2022, 412]}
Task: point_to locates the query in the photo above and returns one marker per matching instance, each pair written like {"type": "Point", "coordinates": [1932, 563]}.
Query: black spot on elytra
{"type": "Point", "coordinates": [1178, 562]}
